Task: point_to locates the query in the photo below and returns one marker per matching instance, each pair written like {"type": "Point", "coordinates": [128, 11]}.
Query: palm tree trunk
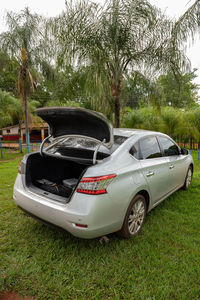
{"type": "Point", "coordinates": [23, 78]}
{"type": "Point", "coordinates": [20, 134]}
{"type": "Point", "coordinates": [148, 101]}
{"type": "Point", "coordinates": [190, 143]}
{"type": "Point", "coordinates": [117, 113]}
{"type": "Point", "coordinates": [26, 122]}
{"type": "Point", "coordinates": [116, 89]}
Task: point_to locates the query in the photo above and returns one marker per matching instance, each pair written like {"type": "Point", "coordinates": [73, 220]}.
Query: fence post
{"type": "Point", "coordinates": [28, 146]}
{"type": "Point", "coordinates": [190, 152]}
{"type": "Point", "coordinates": [198, 154]}
{"type": "Point", "coordinates": [1, 147]}
{"type": "Point", "coordinates": [20, 145]}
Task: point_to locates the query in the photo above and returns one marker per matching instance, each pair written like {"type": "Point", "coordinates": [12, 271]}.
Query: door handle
{"type": "Point", "coordinates": [149, 174]}
{"type": "Point", "coordinates": [171, 167]}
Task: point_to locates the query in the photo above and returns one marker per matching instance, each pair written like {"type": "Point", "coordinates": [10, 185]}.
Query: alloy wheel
{"type": "Point", "coordinates": [189, 177]}
{"type": "Point", "coordinates": [136, 217]}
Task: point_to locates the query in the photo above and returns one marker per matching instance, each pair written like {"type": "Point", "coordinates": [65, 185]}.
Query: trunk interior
{"type": "Point", "coordinates": [53, 177]}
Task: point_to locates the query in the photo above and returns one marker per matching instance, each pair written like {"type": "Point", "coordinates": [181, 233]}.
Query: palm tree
{"type": "Point", "coordinates": [171, 121]}
{"type": "Point", "coordinates": [189, 129]}
{"type": "Point", "coordinates": [188, 24]}
{"type": "Point", "coordinates": [11, 111]}
{"type": "Point", "coordinates": [196, 123]}
{"type": "Point", "coordinates": [122, 35]}
{"type": "Point", "coordinates": [22, 42]}
{"type": "Point", "coordinates": [5, 117]}
{"type": "Point", "coordinates": [132, 119]}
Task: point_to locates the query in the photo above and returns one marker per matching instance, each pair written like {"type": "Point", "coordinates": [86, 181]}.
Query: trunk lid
{"type": "Point", "coordinates": [77, 122]}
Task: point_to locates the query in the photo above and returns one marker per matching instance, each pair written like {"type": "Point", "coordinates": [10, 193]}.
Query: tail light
{"type": "Point", "coordinates": [81, 225]}
{"type": "Point", "coordinates": [19, 167]}
{"type": "Point", "coordinates": [95, 185]}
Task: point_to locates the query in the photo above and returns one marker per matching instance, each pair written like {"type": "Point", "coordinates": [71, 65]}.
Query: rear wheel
{"type": "Point", "coordinates": [135, 217]}
{"type": "Point", "coordinates": [188, 178]}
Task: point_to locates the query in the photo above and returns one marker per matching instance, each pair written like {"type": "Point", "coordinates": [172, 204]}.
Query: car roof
{"type": "Point", "coordinates": [127, 132]}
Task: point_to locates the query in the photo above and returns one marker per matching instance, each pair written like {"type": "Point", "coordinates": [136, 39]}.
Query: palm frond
{"type": "Point", "coordinates": [188, 24]}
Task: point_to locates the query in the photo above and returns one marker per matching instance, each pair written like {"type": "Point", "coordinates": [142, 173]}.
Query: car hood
{"type": "Point", "coordinates": [77, 121]}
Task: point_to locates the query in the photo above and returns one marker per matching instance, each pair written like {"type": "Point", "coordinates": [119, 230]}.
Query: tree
{"type": "Point", "coordinates": [132, 119]}
{"type": "Point", "coordinates": [117, 37]}
{"type": "Point", "coordinates": [188, 24]}
{"type": "Point", "coordinates": [189, 130]}
{"type": "Point", "coordinates": [22, 42]}
{"type": "Point", "coordinates": [196, 123]}
{"type": "Point", "coordinates": [171, 121]}
{"type": "Point", "coordinates": [139, 90]}
{"type": "Point", "coordinates": [178, 91]}
{"type": "Point", "coordinates": [10, 110]}
{"type": "Point", "coordinates": [69, 84]}
{"type": "Point", "coordinates": [146, 118]}
{"type": "Point", "coordinates": [8, 73]}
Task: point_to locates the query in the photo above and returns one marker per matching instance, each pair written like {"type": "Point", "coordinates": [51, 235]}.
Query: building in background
{"type": "Point", "coordinates": [38, 132]}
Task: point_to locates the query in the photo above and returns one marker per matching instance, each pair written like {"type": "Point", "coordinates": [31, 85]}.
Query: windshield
{"type": "Point", "coordinates": [60, 144]}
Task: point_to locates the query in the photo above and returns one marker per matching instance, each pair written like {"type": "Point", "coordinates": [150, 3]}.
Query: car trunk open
{"type": "Point", "coordinates": [56, 172]}
{"type": "Point", "coordinates": [53, 177]}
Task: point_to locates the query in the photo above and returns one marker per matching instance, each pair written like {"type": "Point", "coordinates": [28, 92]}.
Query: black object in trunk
{"type": "Point", "coordinates": [55, 171]}
{"type": "Point", "coordinates": [52, 187]}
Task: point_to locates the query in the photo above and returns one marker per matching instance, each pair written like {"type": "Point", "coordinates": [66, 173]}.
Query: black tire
{"type": "Point", "coordinates": [126, 231]}
{"type": "Point", "coordinates": [188, 178]}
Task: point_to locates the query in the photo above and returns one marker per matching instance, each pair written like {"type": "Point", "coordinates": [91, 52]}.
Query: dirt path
{"type": "Point", "coordinates": [14, 296]}
{"type": "Point", "coordinates": [2, 161]}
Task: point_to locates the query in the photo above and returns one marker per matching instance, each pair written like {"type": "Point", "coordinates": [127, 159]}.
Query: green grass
{"type": "Point", "coordinates": [162, 262]}
{"type": "Point", "coordinates": [10, 154]}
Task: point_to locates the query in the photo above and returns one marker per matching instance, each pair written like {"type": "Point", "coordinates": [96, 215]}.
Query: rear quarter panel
{"type": "Point", "coordinates": [128, 182]}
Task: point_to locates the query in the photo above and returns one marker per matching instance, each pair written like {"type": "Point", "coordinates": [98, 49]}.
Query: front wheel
{"type": "Point", "coordinates": [188, 178]}
{"type": "Point", "coordinates": [135, 217]}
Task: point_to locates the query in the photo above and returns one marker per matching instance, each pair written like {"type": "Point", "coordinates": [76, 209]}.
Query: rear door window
{"type": "Point", "coordinates": [169, 148]}
{"type": "Point", "coordinates": [118, 140]}
{"type": "Point", "coordinates": [149, 148]}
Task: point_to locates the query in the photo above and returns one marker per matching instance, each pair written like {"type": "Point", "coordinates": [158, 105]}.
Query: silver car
{"type": "Point", "coordinates": [92, 180]}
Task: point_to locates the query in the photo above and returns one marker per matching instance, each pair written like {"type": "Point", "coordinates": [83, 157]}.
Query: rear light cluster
{"type": "Point", "coordinates": [81, 225]}
{"type": "Point", "coordinates": [95, 185]}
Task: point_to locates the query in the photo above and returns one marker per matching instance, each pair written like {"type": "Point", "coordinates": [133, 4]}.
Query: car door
{"type": "Point", "coordinates": [176, 166]}
{"type": "Point", "coordinates": [154, 168]}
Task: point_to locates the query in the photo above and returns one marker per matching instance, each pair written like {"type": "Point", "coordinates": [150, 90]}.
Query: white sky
{"type": "Point", "coordinates": [173, 8]}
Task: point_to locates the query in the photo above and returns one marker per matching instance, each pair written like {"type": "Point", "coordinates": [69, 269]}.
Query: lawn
{"type": "Point", "coordinates": [10, 155]}
{"type": "Point", "coordinates": [162, 262]}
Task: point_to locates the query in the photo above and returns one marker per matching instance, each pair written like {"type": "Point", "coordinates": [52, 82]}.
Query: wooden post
{"type": "Point", "coordinates": [22, 136]}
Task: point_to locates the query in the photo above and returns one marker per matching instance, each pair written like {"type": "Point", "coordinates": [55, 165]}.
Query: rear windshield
{"type": "Point", "coordinates": [58, 146]}
{"type": "Point", "coordinates": [118, 140]}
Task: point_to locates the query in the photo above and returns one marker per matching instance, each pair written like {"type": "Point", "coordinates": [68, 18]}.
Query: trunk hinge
{"type": "Point", "coordinates": [96, 150]}
{"type": "Point", "coordinates": [43, 142]}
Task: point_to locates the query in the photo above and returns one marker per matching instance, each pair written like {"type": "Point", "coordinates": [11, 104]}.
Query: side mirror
{"type": "Point", "coordinates": [184, 151]}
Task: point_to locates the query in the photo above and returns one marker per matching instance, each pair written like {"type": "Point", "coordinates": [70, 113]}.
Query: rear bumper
{"type": "Point", "coordinates": [94, 211]}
